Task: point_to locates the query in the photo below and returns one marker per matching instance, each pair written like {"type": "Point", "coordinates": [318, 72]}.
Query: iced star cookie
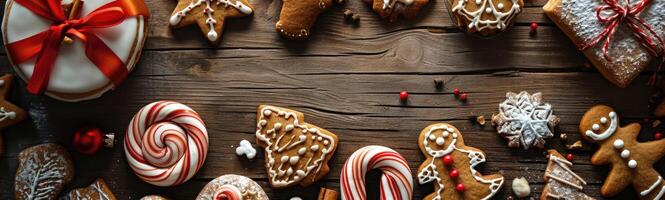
{"type": "Point", "coordinates": [391, 9]}
{"type": "Point", "coordinates": [298, 16]}
{"type": "Point", "coordinates": [296, 152]}
{"type": "Point", "coordinates": [525, 120]}
{"type": "Point", "coordinates": [450, 165]}
{"type": "Point", "coordinates": [232, 187]}
{"type": "Point", "coordinates": [560, 181]}
{"type": "Point", "coordinates": [42, 172]}
{"type": "Point", "coordinates": [631, 161]}
{"type": "Point", "coordinates": [209, 15]}
{"type": "Point", "coordinates": [484, 17]}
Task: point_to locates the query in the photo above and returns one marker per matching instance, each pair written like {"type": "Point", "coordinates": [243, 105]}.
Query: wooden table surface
{"type": "Point", "coordinates": [345, 79]}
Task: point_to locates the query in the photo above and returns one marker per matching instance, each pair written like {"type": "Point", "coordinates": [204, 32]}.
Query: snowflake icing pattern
{"type": "Point", "coordinates": [525, 120]}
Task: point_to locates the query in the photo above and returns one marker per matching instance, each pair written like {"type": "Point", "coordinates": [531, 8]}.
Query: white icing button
{"type": "Point", "coordinates": [267, 113]}
{"type": "Point", "coordinates": [446, 133]}
{"type": "Point", "coordinates": [625, 153]}
{"type": "Point", "coordinates": [595, 127]}
{"type": "Point", "coordinates": [432, 137]}
{"type": "Point", "coordinates": [488, 10]}
{"type": "Point", "coordinates": [500, 5]}
{"type": "Point", "coordinates": [618, 144]}
{"type": "Point", "coordinates": [632, 164]}
{"type": "Point", "coordinates": [439, 141]}
{"type": "Point", "coordinates": [603, 120]}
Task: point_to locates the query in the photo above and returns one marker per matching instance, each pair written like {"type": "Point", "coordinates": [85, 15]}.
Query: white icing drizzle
{"type": "Point", "coordinates": [653, 186]}
{"type": "Point", "coordinates": [389, 3]}
{"type": "Point", "coordinates": [101, 195]}
{"type": "Point", "coordinates": [311, 164]}
{"type": "Point", "coordinates": [564, 164]}
{"type": "Point", "coordinates": [4, 115]}
{"type": "Point", "coordinates": [208, 11]}
{"type": "Point", "coordinates": [660, 194]}
{"type": "Point", "coordinates": [563, 182]}
{"type": "Point", "coordinates": [500, 21]}
{"type": "Point", "coordinates": [245, 148]}
{"type": "Point", "coordinates": [431, 173]}
{"type": "Point", "coordinates": [38, 179]}
{"type": "Point", "coordinates": [608, 132]}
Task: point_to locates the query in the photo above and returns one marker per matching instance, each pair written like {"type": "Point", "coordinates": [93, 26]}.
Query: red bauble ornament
{"type": "Point", "coordinates": [447, 160]}
{"type": "Point", "coordinates": [403, 96]}
{"type": "Point", "coordinates": [463, 97]}
{"type": "Point", "coordinates": [569, 157]}
{"type": "Point", "coordinates": [658, 136]}
{"type": "Point", "coordinates": [534, 27]}
{"type": "Point", "coordinates": [88, 140]}
{"type": "Point", "coordinates": [459, 187]}
{"type": "Point", "coordinates": [456, 91]}
{"type": "Point", "coordinates": [454, 174]}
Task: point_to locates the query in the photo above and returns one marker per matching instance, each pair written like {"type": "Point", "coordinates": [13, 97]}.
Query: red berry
{"type": "Point", "coordinates": [403, 96]}
{"type": "Point", "coordinates": [534, 26]}
{"type": "Point", "coordinates": [463, 97]}
{"type": "Point", "coordinates": [569, 157]}
{"type": "Point", "coordinates": [459, 187]}
{"type": "Point", "coordinates": [454, 173]}
{"type": "Point", "coordinates": [448, 160]}
{"type": "Point", "coordinates": [658, 136]}
{"type": "Point", "coordinates": [456, 92]}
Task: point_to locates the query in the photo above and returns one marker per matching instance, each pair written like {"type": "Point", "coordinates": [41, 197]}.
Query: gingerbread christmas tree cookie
{"type": "Point", "coordinates": [560, 181]}
{"type": "Point", "coordinates": [296, 152]}
{"type": "Point", "coordinates": [450, 164]}
{"type": "Point", "coordinates": [209, 15]}
{"type": "Point", "coordinates": [391, 9]}
{"type": "Point", "coordinates": [485, 17]}
{"type": "Point", "coordinates": [631, 161]}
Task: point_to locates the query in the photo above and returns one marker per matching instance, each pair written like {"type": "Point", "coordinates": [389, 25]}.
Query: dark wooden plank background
{"type": "Point", "coordinates": [346, 79]}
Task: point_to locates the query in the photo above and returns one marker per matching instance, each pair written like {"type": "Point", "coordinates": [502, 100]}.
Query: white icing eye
{"type": "Point", "coordinates": [267, 113]}
{"type": "Point", "coordinates": [625, 153]}
{"type": "Point", "coordinates": [446, 133]}
{"type": "Point", "coordinates": [500, 5]}
{"type": "Point", "coordinates": [432, 137]}
{"type": "Point", "coordinates": [595, 127]}
{"type": "Point", "coordinates": [618, 144]}
{"type": "Point", "coordinates": [603, 120]}
{"type": "Point", "coordinates": [440, 141]}
{"type": "Point", "coordinates": [632, 164]}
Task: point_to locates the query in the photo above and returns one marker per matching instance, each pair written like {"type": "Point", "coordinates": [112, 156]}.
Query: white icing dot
{"type": "Point", "coordinates": [300, 173]}
{"type": "Point", "coordinates": [618, 144]}
{"type": "Point", "coordinates": [500, 5]}
{"type": "Point", "coordinates": [288, 127]}
{"type": "Point", "coordinates": [613, 114]}
{"type": "Point", "coordinates": [325, 142]}
{"type": "Point", "coordinates": [319, 138]}
{"type": "Point", "coordinates": [446, 133]}
{"type": "Point", "coordinates": [285, 159]}
{"type": "Point", "coordinates": [432, 137]}
{"type": "Point", "coordinates": [603, 120]}
{"type": "Point", "coordinates": [304, 130]}
{"type": "Point", "coordinates": [478, 2]}
{"type": "Point", "coordinates": [302, 137]}
{"type": "Point", "coordinates": [595, 127]}
{"type": "Point", "coordinates": [289, 171]}
{"type": "Point", "coordinates": [175, 19]}
{"type": "Point", "coordinates": [315, 147]}
{"type": "Point", "coordinates": [302, 151]}
{"type": "Point", "coordinates": [313, 130]}
{"type": "Point", "coordinates": [632, 164]}
{"type": "Point", "coordinates": [625, 153]}
{"type": "Point", "coordinates": [294, 160]}
{"type": "Point", "coordinates": [488, 10]}
{"type": "Point", "coordinates": [277, 126]}
{"type": "Point", "coordinates": [267, 113]}
{"type": "Point", "coordinates": [454, 135]}
{"type": "Point", "coordinates": [440, 141]}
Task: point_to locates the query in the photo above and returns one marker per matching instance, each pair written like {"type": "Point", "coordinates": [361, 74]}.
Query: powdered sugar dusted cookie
{"type": "Point", "coordinates": [209, 15]}
{"type": "Point", "coordinates": [392, 9]}
{"type": "Point", "coordinates": [42, 172]}
{"type": "Point", "coordinates": [98, 190]}
{"type": "Point", "coordinates": [296, 152]}
{"type": "Point", "coordinates": [485, 17]}
{"type": "Point", "coordinates": [525, 120]}
{"type": "Point", "coordinates": [450, 165]}
{"type": "Point", "coordinates": [560, 181]}
{"type": "Point", "coordinates": [232, 187]}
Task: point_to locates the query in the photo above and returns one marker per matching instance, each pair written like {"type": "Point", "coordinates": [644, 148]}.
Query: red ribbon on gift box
{"type": "Point", "coordinates": [46, 44]}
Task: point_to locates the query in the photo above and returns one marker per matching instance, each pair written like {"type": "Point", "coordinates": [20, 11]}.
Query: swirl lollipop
{"type": "Point", "coordinates": [166, 143]}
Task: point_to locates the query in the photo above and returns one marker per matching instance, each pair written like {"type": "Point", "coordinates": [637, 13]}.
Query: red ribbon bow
{"type": "Point", "coordinates": [615, 14]}
{"type": "Point", "coordinates": [45, 45]}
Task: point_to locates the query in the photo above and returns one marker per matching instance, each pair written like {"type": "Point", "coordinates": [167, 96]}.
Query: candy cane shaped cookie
{"type": "Point", "coordinates": [166, 143]}
{"type": "Point", "coordinates": [396, 180]}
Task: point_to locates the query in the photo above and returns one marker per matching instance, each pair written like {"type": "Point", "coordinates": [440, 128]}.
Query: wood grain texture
{"type": "Point", "coordinates": [345, 79]}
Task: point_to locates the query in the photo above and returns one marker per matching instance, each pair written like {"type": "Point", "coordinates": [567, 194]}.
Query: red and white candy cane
{"type": "Point", "coordinates": [166, 143]}
{"type": "Point", "coordinates": [227, 192]}
{"type": "Point", "coordinates": [396, 180]}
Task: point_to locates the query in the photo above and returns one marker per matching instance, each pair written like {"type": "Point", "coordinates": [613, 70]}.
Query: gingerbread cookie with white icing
{"type": "Point", "coordinates": [485, 17]}
{"type": "Point", "coordinates": [209, 15]}
{"type": "Point", "coordinates": [42, 172]}
{"type": "Point", "coordinates": [560, 181]}
{"type": "Point", "coordinates": [98, 190]}
{"type": "Point", "coordinates": [296, 152]}
{"type": "Point", "coordinates": [10, 114]}
{"type": "Point", "coordinates": [450, 165]}
{"type": "Point", "coordinates": [298, 16]}
{"type": "Point", "coordinates": [631, 161]}
{"type": "Point", "coordinates": [391, 9]}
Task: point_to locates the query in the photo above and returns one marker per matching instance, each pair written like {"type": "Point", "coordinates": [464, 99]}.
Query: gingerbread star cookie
{"type": "Point", "coordinates": [298, 16]}
{"type": "Point", "coordinates": [97, 190]}
{"type": "Point", "coordinates": [631, 161]}
{"type": "Point", "coordinates": [450, 164]}
{"type": "Point", "coordinates": [10, 114]}
{"type": "Point", "coordinates": [209, 15]}
{"type": "Point", "coordinates": [560, 181]}
{"type": "Point", "coordinates": [391, 9]}
{"type": "Point", "coordinates": [296, 152]}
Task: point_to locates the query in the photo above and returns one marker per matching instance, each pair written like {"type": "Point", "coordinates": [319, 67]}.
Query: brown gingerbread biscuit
{"type": "Point", "coordinates": [391, 9]}
{"type": "Point", "coordinates": [560, 181]}
{"type": "Point", "coordinates": [97, 190]}
{"type": "Point", "coordinates": [485, 17]}
{"type": "Point", "coordinates": [631, 161]}
{"type": "Point", "coordinates": [298, 16]}
{"type": "Point", "coordinates": [10, 114]}
{"type": "Point", "coordinates": [209, 15]}
{"type": "Point", "coordinates": [296, 152]}
{"type": "Point", "coordinates": [42, 172]}
{"type": "Point", "coordinates": [450, 164]}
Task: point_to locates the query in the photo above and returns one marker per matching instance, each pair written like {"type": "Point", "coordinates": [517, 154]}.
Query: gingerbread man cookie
{"type": "Point", "coordinates": [391, 9]}
{"type": "Point", "coordinates": [298, 16]}
{"type": "Point", "coordinates": [296, 152]}
{"type": "Point", "coordinates": [209, 15]}
{"type": "Point", "coordinates": [10, 114]}
{"type": "Point", "coordinates": [631, 161]}
{"type": "Point", "coordinates": [451, 166]}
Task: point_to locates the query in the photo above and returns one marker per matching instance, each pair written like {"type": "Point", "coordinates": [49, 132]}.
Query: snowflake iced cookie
{"type": "Point", "coordinates": [632, 161]}
{"type": "Point", "coordinates": [391, 9]}
{"type": "Point", "coordinates": [296, 152]}
{"type": "Point", "coordinates": [485, 17]}
{"type": "Point", "coordinates": [97, 190]}
{"type": "Point", "coordinates": [10, 114]}
{"type": "Point", "coordinates": [560, 181]}
{"type": "Point", "coordinates": [298, 16]}
{"type": "Point", "coordinates": [450, 165]}
{"type": "Point", "coordinates": [209, 15]}
{"type": "Point", "coordinates": [42, 172]}
{"type": "Point", "coordinates": [232, 187]}
{"type": "Point", "coordinates": [525, 120]}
